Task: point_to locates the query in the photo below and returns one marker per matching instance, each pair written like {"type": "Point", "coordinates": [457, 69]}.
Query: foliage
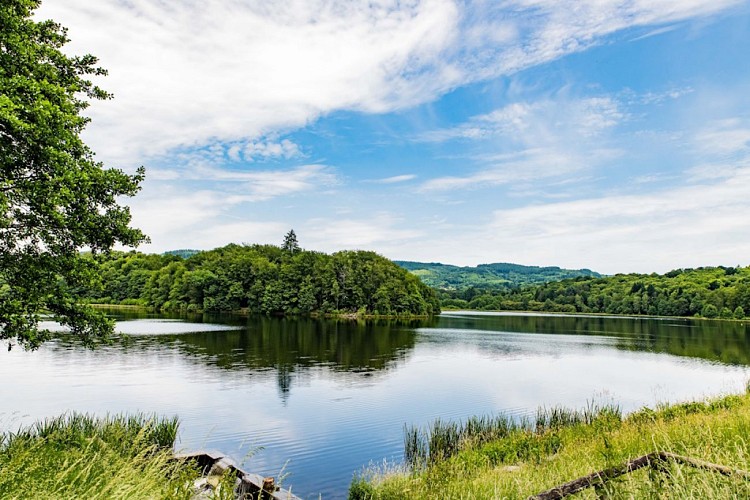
{"type": "Point", "coordinates": [500, 276]}
{"type": "Point", "coordinates": [290, 243]}
{"type": "Point", "coordinates": [78, 456]}
{"type": "Point", "coordinates": [55, 199]}
{"type": "Point", "coordinates": [523, 463]}
{"type": "Point", "coordinates": [711, 292]}
{"type": "Point", "coordinates": [265, 279]}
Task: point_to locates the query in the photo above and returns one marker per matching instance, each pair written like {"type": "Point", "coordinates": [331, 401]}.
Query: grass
{"type": "Point", "coordinates": [493, 457]}
{"type": "Point", "coordinates": [442, 440]}
{"type": "Point", "coordinates": [79, 456]}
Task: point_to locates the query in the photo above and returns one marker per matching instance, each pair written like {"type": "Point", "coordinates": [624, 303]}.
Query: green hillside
{"type": "Point", "coordinates": [185, 253]}
{"type": "Point", "coordinates": [706, 291]}
{"type": "Point", "coordinates": [489, 276]}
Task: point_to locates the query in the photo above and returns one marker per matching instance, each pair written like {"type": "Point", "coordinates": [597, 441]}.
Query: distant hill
{"type": "Point", "coordinates": [185, 253]}
{"type": "Point", "coordinates": [488, 276]}
{"type": "Point", "coordinates": [709, 292]}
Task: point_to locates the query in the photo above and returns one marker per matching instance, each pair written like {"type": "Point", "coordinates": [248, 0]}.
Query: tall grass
{"type": "Point", "coordinates": [444, 439]}
{"type": "Point", "coordinates": [558, 445]}
{"type": "Point", "coordinates": [80, 456]}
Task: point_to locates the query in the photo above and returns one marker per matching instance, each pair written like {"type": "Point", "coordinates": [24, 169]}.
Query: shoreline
{"type": "Point", "coordinates": [516, 312]}
{"type": "Point", "coordinates": [244, 312]}
{"type": "Point", "coordinates": [699, 445]}
{"type": "Point", "coordinates": [358, 316]}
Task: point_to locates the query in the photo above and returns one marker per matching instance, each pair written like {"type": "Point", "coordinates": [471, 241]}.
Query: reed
{"type": "Point", "coordinates": [444, 439]}
{"type": "Point", "coordinates": [558, 445]}
{"type": "Point", "coordinates": [81, 456]}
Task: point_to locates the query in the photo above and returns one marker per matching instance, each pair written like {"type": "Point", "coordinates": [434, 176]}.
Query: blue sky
{"type": "Point", "coordinates": [601, 134]}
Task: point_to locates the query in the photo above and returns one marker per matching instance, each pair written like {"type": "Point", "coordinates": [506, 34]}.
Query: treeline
{"type": "Point", "coordinates": [263, 279]}
{"type": "Point", "coordinates": [710, 292]}
{"type": "Point", "coordinates": [488, 276]}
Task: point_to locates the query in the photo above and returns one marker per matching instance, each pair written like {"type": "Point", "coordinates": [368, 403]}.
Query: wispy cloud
{"type": "Point", "coordinates": [193, 72]}
{"type": "Point", "coordinates": [537, 140]}
{"type": "Point", "coordinates": [394, 180]}
{"type": "Point", "coordinates": [659, 97]}
{"type": "Point", "coordinates": [525, 166]}
{"type": "Point", "coordinates": [658, 31]}
{"type": "Point", "coordinates": [727, 139]}
{"type": "Point", "coordinates": [263, 150]}
{"type": "Point", "coordinates": [175, 217]}
{"type": "Point", "coordinates": [380, 232]}
{"type": "Point", "coordinates": [697, 219]}
{"type": "Point", "coordinates": [530, 123]}
{"type": "Point", "coordinates": [257, 185]}
{"type": "Point", "coordinates": [685, 226]}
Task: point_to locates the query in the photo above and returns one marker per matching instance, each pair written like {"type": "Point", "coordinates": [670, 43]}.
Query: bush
{"type": "Point", "coordinates": [360, 489]}
{"type": "Point", "coordinates": [709, 311]}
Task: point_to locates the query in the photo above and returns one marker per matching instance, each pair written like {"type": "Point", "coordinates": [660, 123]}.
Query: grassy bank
{"type": "Point", "coordinates": [77, 456]}
{"type": "Point", "coordinates": [497, 458]}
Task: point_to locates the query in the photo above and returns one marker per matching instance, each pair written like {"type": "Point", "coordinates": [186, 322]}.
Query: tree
{"type": "Point", "coordinates": [55, 199]}
{"type": "Point", "coordinates": [290, 242]}
{"type": "Point", "coordinates": [709, 311]}
{"type": "Point", "coordinates": [739, 313]}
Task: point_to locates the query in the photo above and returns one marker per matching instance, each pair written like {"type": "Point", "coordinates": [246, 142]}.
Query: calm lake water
{"type": "Point", "coordinates": [324, 399]}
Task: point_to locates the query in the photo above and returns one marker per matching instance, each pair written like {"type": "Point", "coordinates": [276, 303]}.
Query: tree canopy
{"type": "Point", "coordinates": [55, 198]}
{"type": "Point", "coordinates": [265, 279]}
{"type": "Point", "coordinates": [710, 292]}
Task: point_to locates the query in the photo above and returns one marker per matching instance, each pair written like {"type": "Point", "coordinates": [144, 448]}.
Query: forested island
{"type": "Point", "coordinates": [266, 279]}
{"type": "Point", "coordinates": [710, 292]}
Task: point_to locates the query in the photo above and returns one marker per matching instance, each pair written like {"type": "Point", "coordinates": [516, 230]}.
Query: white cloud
{"type": "Point", "coordinates": [545, 139]}
{"type": "Point", "coordinates": [658, 31]}
{"type": "Point", "coordinates": [223, 233]}
{"type": "Point", "coordinates": [254, 185]}
{"type": "Point", "coordinates": [723, 146]}
{"type": "Point", "coordinates": [701, 221]}
{"type": "Point", "coordinates": [192, 72]}
{"type": "Point", "coordinates": [167, 210]}
{"type": "Point", "coordinates": [660, 97]}
{"type": "Point", "coordinates": [186, 73]}
{"type": "Point", "coordinates": [380, 233]}
{"type": "Point", "coordinates": [522, 167]}
{"type": "Point", "coordinates": [175, 218]}
{"type": "Point", "coordinates": [265, 150]}
{"type": "Point", "coordinates": [686, 226]}
{"type": "Point", "coordinates": [547, 119]}
{"type": "Point", "coordinates": [725, 138]}
{"type": "Point", "coordinates": [395, 179]}
{"type": "Point", "coordinates": [264, 185]}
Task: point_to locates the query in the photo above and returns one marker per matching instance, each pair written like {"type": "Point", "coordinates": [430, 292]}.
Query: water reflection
{"type": "Point", "coordinates": [290, 346]}
{"type": "Point", "coordinates": [721, 341]}
{"type": "Point", "coordinates": [293, 349]}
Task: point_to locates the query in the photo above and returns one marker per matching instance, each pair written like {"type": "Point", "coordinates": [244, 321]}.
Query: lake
{"type": "Point", "coordinates": [318, 400]}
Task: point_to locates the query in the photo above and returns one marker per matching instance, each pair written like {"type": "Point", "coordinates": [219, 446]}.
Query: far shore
{"type": "Point", "coordinates": [352, 316]}
{"type": "Point", "coordinates": [246, 312]}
